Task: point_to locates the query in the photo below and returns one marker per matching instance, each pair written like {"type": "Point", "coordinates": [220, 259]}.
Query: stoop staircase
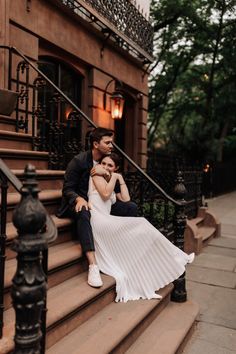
{"type": "Point", "coordinates": [81, 319]}
{"type": "Point", "coordinates": [200, 230]}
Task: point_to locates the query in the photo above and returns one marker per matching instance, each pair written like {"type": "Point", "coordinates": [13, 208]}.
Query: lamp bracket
{"type": "Point", "coordinates": [107, 34]}
{"type": "Point", "coordinates": [28, 5]}
{"type": "Point", "coordinates": [145, 71]}
{"type": "Point", "coordinates": [116, 88]}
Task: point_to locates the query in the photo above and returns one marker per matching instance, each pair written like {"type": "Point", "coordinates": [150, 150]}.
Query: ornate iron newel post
{"type": "Point", "coordinates": [179, 293]}
{"type": "Point", "coordinates": [29, 285]}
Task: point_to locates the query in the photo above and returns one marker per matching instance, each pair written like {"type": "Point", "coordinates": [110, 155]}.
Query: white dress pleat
{"type": "Point", "coordinates": [133, 251]}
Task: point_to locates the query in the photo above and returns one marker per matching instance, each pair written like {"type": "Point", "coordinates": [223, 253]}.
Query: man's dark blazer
{"type": "Point", "coordinates": [76, 181]}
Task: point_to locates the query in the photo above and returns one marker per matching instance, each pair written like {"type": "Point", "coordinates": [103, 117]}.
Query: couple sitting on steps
{"type": "Point", "coordinates": [116, 241]}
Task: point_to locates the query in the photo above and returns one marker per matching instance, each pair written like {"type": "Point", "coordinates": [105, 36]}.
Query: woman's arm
{"type": "Point", "coordinates": [103, 187]}
{"type": "Point", "coordinates": [124, 192]}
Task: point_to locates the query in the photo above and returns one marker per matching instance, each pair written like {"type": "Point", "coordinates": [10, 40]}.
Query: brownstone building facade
{"type": "Point", "coordinates": [81, 46]}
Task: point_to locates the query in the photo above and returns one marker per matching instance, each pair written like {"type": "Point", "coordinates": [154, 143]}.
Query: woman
{"type": "Point", "coordinates": [130, 249]}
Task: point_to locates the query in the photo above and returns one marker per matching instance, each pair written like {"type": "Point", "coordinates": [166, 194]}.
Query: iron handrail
{"type": "Point", "coordinates": [143, 173]}
{"type": "Point", "coordinates": [10, 176]}
{"type": "Point", "coordinates": [4, 169]}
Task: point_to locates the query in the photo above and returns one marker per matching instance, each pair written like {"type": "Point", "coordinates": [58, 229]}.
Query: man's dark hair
{"type": "Point", "coordinates": [98, 133]}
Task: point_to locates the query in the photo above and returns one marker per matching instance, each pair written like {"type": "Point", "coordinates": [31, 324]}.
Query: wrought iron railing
{"type": "Point", "coordinates": [5, 177]}
{"type": "Point", "coordinates": [154, 203]}
{"type": "Point", "coordinates": [163, 167]}
{"type": "Point", "coordinates": [35, 230]}
{"type": "Point", "coordinates": [118, 20]}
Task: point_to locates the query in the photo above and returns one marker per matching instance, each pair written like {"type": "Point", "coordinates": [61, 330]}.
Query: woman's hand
{"type": "Point", "coordinates": [123, 195]}
{"type": "Point", "coordinates": [98, 170]}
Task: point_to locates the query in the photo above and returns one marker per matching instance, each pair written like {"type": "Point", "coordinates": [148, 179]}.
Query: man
{"type": "Point", "coordinates": [75, 200]}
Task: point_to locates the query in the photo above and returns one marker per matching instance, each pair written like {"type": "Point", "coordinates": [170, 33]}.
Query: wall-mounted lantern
{"type": "Point", "coordinates": [117, 105]}
{"type": "Point", "coordinates": [117, 102]}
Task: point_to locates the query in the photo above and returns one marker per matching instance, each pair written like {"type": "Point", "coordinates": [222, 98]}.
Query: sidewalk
{"type": "Point", "coordinates": [211, 282]}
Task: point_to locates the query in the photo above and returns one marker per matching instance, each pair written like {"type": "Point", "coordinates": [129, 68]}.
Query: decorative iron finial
{"type": "Point", "coordinates": [180, 190]}
{"type": "Point", "coordinates": [29, 216]}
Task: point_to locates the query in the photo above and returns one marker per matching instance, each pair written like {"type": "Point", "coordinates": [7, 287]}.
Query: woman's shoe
{"type": "Point", "coordinates": [191, 257]}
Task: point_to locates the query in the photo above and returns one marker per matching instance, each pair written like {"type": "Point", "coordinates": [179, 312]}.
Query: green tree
{"type": "Point", "coordinates": [193, 79]}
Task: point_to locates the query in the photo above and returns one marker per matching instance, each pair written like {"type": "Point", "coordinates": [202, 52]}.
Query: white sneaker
{"type": "Point", "coordinates": [191, 257]}
{"type": "Point", "coordinates": [94, 278]}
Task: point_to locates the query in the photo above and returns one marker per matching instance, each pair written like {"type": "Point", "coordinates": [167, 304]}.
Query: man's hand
{"type": "Point", "coordinates": [81, 203]}
{"type": "Point", "coordinates": [98, 170]}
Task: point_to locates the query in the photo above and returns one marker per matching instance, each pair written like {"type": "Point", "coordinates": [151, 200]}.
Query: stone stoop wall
{"type": "Point", "coordinates": [200, 230]}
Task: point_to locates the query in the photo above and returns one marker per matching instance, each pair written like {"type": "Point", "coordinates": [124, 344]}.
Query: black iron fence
{"type": "Point", "coordinates": [163, 167]}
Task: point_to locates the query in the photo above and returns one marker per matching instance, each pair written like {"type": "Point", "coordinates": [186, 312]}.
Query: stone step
{"type": "Point", "coordinates": [198, 220]}
{"type": "Point", "coordinates": [65, 260]}
{"type": "Point", "coordinates": [50, 199]}
{"type": "Point", "coordinates": [64, 227]}
{"type": "Point", "coordinates": [69, 304]}
{"type": "Point", "coordinates": [200, 231]}
{"type": "Point", "coordinates": [168, 333]}
{"type": "Point", "coordinates": [206, 233]}
{"type": "Point", "coordinates": [7, 123]}
{"type": "Point", "coordinates": [114, 328]}
{"type": "Point", "coordinates": [16, 159]}
{"type": "Point", "coordinates": [47, 179]}
{"type": "Point", "coordinates": [14, 140]}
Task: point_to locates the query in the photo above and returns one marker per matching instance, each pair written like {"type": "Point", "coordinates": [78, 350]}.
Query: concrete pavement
{"type": "Point", "coordinates": [211, 282]}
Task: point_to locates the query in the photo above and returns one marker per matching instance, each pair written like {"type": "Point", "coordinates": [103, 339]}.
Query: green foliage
{"type": "Point", "coordinates": [193, 79]}
{"type": "Point", "coordinates": [155, 212]}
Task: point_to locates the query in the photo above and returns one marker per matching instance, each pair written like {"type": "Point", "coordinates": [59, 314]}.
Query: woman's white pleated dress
{"type": "Point", "coordinates": [133, 251]}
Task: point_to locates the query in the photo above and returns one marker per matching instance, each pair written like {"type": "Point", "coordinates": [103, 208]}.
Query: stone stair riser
{"type": "Point", "coordinates": [22, 144]}
{"type": "Point", "coordinates": [58, 331]}
{"type": "Point", "coordinates": [7, 123]}
{"type": "Point", "coordinates": [66, 272]}
{"type": "Point", "coordinates": [19, 162]}
{"type": "Point", "coordinates": [50, 206]}
{"type": "Point", "coordinates": [206, 241]}
{"type": "Point", "coordinates": [64, 235]}
{"type": "Point", "coordinates": [55, 277]}
{"type": "Point", "coordinates": [133, 335]}
{"type": "Point", "coordinates": [43, 184]}
{"type": "Point", "coordinates": [200, 231]}
{"type": "Point", "coordinates": [187, 338]}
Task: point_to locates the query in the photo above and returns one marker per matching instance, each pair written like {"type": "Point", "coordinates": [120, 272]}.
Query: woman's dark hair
{"type": "Point", "coordinates": [114, 157]}
{"type": "Point", "coordinates": [98, 133]}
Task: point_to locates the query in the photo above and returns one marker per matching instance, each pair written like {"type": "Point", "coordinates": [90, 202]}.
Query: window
{"type": "Point", "coordinates": [68, 81]}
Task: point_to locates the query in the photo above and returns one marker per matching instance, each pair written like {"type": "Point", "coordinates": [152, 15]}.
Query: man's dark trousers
{"type": "Point", "coordinates": [83, 226]}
